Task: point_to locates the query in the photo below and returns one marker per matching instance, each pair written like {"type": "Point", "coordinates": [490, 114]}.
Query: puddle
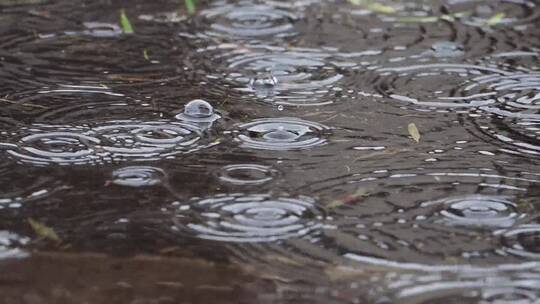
{"type": "Point", "coordinates": [269, 141]}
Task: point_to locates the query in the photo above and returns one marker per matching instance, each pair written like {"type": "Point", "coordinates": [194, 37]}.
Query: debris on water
{"type": "Point", "coordinates": [349, 199]}
{"type": "Point", "coordinates": [43, 231]}
{"type": "Point", "coordinates": [374, 6]}
{"type": "Point", "coordinates": [495, 19]}
{"type": "Point", "coordinates": [127, 28]}
{"type": "Point", "coordinates": [413, 131]}
{"type": "Point", "coordinates": [145, 54]}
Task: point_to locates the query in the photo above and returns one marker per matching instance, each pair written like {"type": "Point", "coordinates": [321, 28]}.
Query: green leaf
{"type": "Point", "coordinates": [428, 19]}
{"type": "Point", "coordinates": [127, 28]}
{"type": "Point", "coordinates": [413, 131]}
{"type": "Point", "coordinates": [381, 8]}
{"type": "Point", "coordinates": [190, 6]}
{"type": "Point", "coordinates": [374, 6]}
{"type": "Point", "coordinates": [43, 231]}
{"type": "Point", "coordinates": [495, 19]}
{"type": "Point", "coordinates": [145, 54]}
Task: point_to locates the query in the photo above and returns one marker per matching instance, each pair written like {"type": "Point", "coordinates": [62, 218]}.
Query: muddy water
{"type": "Point", "coordinates": [266, 145]}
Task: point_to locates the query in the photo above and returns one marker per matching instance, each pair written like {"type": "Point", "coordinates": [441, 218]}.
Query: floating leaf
{"type": "Point", "coordinates": [127, 28]}
{"type": "Point", "coordinates": [43, 231]}
{"type": "Point", "coordinates": [190, 6]}
{"type": "Point", "coordinates": [496, 19]}
{"type": "Point", "coordinates": [432, 19]}
{"type": "Point", "coordinates": [350, 199]}
{"type": "Point", "coordinates": [428, 19]}
{"type": "Point", "coordinates": [413, 131]}
{"type": "Point", "coordinates": [381, 8]}
{"type": "Point", "coordinates": [145, 54]}
{"type": "Point", "coordinates": [374, 6]}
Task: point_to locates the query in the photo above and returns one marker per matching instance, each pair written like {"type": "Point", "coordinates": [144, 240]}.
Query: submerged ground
{"type": "Point", "coordinates": [270, 151]}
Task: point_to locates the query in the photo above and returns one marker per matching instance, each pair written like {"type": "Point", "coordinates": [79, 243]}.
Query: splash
{"type": "Point", "coordinates": [282, 134]}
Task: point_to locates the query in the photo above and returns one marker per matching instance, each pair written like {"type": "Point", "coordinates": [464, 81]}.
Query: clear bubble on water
{"type": "Point", "coordinates": [198, 111]}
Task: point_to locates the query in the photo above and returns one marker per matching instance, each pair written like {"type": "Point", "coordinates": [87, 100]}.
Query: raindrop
{"type": "Point", "coordinates": [248, 20]}
{"type": "Point", "coordinates": [246, 174]}
{"type": "Point", "coordinates": [255, 218]}
{"type": "Point", "coordinates": [282, 134]}
{"type": "Point", "coordinates": [148, 140]}
{"type": "Point", "coordinates": [65, 146]}
{"type": "Point", "coordinates": [138, 176]}
{"type": "Point", "coordinates": [477, 210]}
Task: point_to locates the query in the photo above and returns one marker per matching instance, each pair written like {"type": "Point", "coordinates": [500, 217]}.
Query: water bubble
{"type": "Point", "coordinates": [255, 218]}
{"type": "Point", "coordinates": [198, 111]}
{"type": "Point", "coordinates": [138, 176]}
{"type": "Point", "coordinates": [522, 241]}
{"type": "Point", "coordinates": [282, 134]}
{"type": "Point", "coordinates": [477, 210]}
{"type": "Point", "coordinates": [247, 174]}
{"type": "Point", "coordinates": [249, 20]}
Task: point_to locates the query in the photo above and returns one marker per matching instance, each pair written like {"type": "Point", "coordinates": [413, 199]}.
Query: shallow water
{"type": "Point", "coordinates": [266, 144]}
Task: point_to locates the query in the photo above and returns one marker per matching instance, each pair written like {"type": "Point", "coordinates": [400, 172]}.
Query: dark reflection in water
{"type": "Point", "coordinates": [263, 146]}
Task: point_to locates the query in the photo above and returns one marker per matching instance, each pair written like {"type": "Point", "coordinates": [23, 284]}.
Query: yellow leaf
{"type": "Point", "coordinates": [413, 131]}
{"type": "Point", "coordinates": [495, 19]}
{"type": "Point", "coordinates": [43, 231]}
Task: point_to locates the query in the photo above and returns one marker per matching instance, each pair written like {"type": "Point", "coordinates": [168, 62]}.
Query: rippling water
{"type": "Point", "coordinates": [273, 135]}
